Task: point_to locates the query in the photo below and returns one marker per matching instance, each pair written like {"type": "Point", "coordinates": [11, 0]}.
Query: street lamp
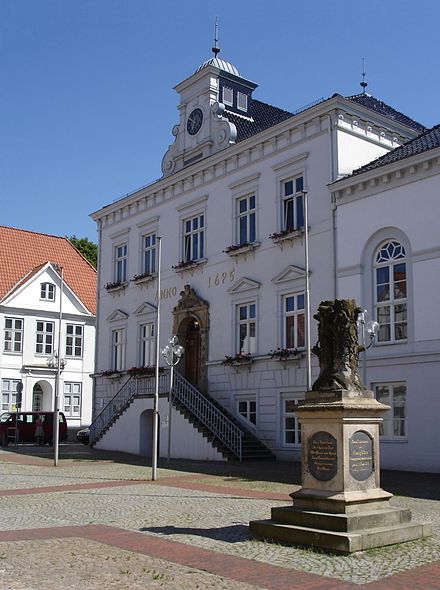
{"type": "Point", "coordinates": [369, 329]}
{"type": "Point", "coordinates": [172, 354]}
{"type": "Point", "coordinates": [56, 363]}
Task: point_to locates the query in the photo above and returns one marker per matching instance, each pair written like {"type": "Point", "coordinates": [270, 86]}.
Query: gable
{"type": "Point", "coordinates": [243, 285]}
{"type": "Point", "coordinates": [290, 273]}
{"type": "Point", "coordinates": [117, 315]}
{"type": "Point", "coordinates": [146, 308]}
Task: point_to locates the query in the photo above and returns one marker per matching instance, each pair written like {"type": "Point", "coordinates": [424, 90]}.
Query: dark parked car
{"type": "Point", "coordinates": [25, 422]}
{"type": "Point", "coordinates": [83, 435]}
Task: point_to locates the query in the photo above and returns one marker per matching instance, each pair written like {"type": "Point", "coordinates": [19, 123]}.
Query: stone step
{"type": "Point", "coordinates": [340, 522]}
{"type": "Point", "coordinates": [339, 542]}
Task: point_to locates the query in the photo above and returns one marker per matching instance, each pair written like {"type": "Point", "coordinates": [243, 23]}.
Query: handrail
{"type": "Point", "coordinates": [209, 415]}
{"type": "Point", "coordinates": [133, 387]}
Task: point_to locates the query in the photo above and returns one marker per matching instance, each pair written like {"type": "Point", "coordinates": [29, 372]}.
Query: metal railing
{"type": "Point", "coordinates": [228, 433]}
{"type": "Point", "coordinates": [134, 387]}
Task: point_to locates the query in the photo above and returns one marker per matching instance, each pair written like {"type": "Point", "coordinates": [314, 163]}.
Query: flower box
{"type": "Point", "coordinates": [286, 234]}
{"type": "Point", "coordinates": [115, 286]}
{"type": "Point", "coordinates": [142, 372]}
{"type": "Point", "coordinates": [238, 360]}
{"type": "Point", "coordinates": [238, 249]}
{"type": "Point", "coordinates": [146, 277]}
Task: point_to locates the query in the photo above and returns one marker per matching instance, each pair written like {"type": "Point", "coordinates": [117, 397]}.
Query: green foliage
{"type": "Point", "coordinates": [87, 248]}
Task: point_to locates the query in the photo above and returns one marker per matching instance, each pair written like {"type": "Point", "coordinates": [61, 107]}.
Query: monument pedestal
{"type": "Point", "coordinates": [340, 506]}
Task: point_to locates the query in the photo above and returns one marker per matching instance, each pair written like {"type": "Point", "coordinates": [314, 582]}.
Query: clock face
{"type": "Point", "coordinates": [194, 122]}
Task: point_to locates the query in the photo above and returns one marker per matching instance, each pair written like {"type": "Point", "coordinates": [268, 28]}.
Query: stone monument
{"type": "Point", "coordinates": [341, 506]}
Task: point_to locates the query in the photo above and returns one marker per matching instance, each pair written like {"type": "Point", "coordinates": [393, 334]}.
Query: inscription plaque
{"type": "Point", "coordinates": [360, 448]}
{"type": "Point", "coordinates": [322, 455]}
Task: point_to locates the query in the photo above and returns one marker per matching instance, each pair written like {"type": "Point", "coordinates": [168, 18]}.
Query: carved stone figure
{"type": "Point", "coordinates": [337, 348]}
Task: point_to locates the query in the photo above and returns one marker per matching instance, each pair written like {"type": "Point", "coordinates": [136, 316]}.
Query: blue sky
{"type": "Point", "coordinates": [86, 95]}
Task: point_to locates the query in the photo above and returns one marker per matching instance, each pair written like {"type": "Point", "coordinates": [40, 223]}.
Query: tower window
{"type": "Point", "coordinates": [228, 96]}
{"type": "Point", "coordinates": [242, 101]}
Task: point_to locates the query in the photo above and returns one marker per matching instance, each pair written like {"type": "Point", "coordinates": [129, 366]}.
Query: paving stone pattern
{"type": "Point", "coordinates": [96, 522]}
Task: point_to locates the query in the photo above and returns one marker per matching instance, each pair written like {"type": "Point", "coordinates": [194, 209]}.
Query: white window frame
{"type": "Point", "coordinates": [250, 409]}
{"type": "Point", "coordinates": [246, 219]}
{"type": "Point", "coordinates": [75, 340]}
{"type": "Point", "coordinates": [297, 312]}
{"type": "Point", "coordinates": [388, 256]}
{"type": "Point", "coordinates": [120, 262]}
{"type": "Point", "coordinates": [47, 291]}
{"type": "Point", "coordinates": [296, 198]}
{"type": "Point", "coordinates": [72, 392]}
{"type": "Point", "coordinates": [392, 421]}
{"type": "Point", "coordinates": [147, 344]}
{"type": "Point", "coordinates": [193, 242]}
{"type": "Point", "coordinates": [149, 253]}
{"type": "Point", "coordinates": [248, 321]}
{"type": "Point", "coordinates": [228, 101]}
{"type": "Point", "coordinates": [289, 420]}
{"type": "Point", "coordinates": [46, 337]}
{"type": "Point", "coordinates": [242, 101]}
{"type": "Point", "coordinates": [117, 361]}
{"type": "Point", "coordinates": [13, 335]}
{"type": "Point", "coordinates": [9, 389]}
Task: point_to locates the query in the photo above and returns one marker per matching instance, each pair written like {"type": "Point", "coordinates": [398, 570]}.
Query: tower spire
{"type": "Point", "coordinates": [364, 73]}
{"type": "Point", "coordinates": [216, 49]}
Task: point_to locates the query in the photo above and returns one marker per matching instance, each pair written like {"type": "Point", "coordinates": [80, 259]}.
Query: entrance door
{"type": "Point", "coordinates": [37, 398]}
{"type": "Point", "coordinates": [192, 352]}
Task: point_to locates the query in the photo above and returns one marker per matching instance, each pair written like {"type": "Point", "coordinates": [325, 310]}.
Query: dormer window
{"type": "Point", "coordinates": [242, 101]}
{"type": "Point", "coordinates": [47, 292]}
{"type": "Point", "coordinates": [228, 96]}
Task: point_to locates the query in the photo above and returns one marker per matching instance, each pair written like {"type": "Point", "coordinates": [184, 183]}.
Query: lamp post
{"type": "Point", "coordinates": [307, 290]}
{"type": "Point", "coordinates": [156, 390]}
{"type": "Point", "coordinates": [56, 362]}
{"type": "Point", "coordinates": [369, 329]}
{"type": "Point", "coordinates": [172, 354]}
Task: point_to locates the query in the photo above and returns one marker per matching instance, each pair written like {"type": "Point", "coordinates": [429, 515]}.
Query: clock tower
{"type": "Point", "coordinates": [215, 90]}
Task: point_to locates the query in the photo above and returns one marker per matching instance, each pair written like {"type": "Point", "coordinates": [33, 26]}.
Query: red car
{"type": "Point", "coordinates": [25, 422]}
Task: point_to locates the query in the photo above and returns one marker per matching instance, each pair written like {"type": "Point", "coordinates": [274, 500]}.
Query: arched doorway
{"type": "Point", "coordinates": [191, 326]}
{"type": "Point", "coordinates": [42, 397]}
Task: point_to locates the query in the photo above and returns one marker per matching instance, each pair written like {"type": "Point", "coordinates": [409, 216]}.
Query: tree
{"type": "Point", "coordinates": [87, 248]}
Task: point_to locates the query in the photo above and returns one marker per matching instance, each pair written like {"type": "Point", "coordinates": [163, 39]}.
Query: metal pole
{"type": "Point", "coordinates": [156, 392]}
{"type": "Point", "coordinates": [169, 410]}
{"type": "Point", "coordinates": [56, 414]}
{"type": "Point", "coordinates": [307, 294]}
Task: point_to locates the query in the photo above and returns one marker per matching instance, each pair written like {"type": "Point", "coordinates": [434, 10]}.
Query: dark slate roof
{"type": "Point", "coordinates": [263, 115]}
{"type": "Point", "coordinates": [378, 106]}
{"type": "Point", "coordinates": [424, 142]}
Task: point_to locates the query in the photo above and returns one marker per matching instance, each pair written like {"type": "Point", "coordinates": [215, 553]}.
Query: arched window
{"type": "Point", "coordinates": [391, 292]}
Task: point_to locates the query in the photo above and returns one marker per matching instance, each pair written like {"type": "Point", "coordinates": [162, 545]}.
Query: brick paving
{"type": "Point", "coordinates": [98, 521]}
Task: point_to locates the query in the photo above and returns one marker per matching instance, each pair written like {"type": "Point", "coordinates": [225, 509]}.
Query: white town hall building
{"type": "Point", "coordinates": [230, 213]}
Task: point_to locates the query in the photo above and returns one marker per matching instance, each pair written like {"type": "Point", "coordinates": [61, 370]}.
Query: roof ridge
{"type": "Point", "coordinates": [30, 231]}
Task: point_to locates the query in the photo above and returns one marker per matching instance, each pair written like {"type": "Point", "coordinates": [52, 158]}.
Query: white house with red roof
{"type": "Point", "coordinates": [33, 301]}
{"type": "Point", "coordinates": [229, 209]}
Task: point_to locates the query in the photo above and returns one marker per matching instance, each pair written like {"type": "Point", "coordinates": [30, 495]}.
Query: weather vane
{"type": "Point", "coordinates": [216, 49]}
{"type": "Point", "coordinates": [364, 73]}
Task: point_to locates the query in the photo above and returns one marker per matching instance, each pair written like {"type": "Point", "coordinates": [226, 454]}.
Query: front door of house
{"type": "Point", "coordinates": [192, 352]}
{"type": "Point", "coordinates": [37, 398]}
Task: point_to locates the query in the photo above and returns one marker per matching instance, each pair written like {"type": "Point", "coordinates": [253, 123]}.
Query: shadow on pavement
{"type": "Point", "coordinates": [230, 534]}
{"type": "Point", "coordinates": [401, 483]}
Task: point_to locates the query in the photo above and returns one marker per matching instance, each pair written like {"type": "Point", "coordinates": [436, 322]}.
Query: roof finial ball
{"type": "Point", "coordinates": [364, 73]}
{"type": "Point", "coordinates": [216, 48]}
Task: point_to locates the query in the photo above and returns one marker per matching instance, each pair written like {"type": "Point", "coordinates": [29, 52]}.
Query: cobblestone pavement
{"type": "Point", "coordinates": [98, 521]}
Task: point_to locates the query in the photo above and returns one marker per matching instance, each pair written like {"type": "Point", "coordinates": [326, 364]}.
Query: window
{"type": "Point", "coordinates": [45, 338]}
{"type": "Point", "coordinates": [13, 341]}
{"type": "Point", "coordinates": [391, 292]}
{"type": "Point", "coordinates": [118, 349]}
{"type": "Point", "coordinates": [291, 427]}
{"type": "Point", "coordinates": [194, 238]}
{"type": "Point", "coordinates": [228, 96]}
{"type": "Point", "coordinates": [47, 291]}
{"type": "Point", "coordinates": [246, 220]}
{"type": "Point", "coordinates": [9, 394]}
{"type": "Point", "coordinates": [246, 328]}
{"type": "Point", "coordinates": [293, 321]}
{"type": "Point", "coordinates": [247, 409]}
{"type": "Point", "coordinates": [242, 101]}
{"type": "Point", "coordinates": [120, 263]}
{"type": "Point", "coordinates": [74, 340]}
{"type": "Point", "coordinates": [72, 400]}
{"type": "Point", "coordinates": [147, 345]}
{"type": "Point", "coordinates": [394, 421]}
{"type": "Point", "coordinates": [292, 203]}
{"type": "Point", "coordinates": [149, 254]}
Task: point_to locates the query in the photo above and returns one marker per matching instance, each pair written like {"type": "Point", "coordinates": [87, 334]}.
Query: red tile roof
{"type": "Point", "coordinates": [21, 251]}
